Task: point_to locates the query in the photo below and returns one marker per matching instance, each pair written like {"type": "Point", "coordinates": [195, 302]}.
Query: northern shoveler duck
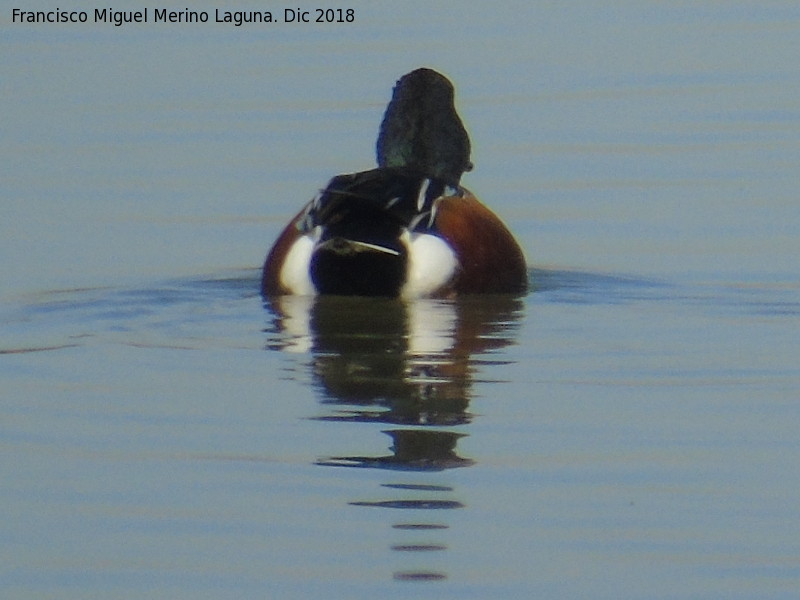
{"type": "Point", "coordinates": [407, 228]}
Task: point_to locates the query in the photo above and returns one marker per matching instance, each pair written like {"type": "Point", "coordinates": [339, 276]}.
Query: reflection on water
{"type": "Point", "coordinates": [603, 411]}
{"type": "Point", "coordinates": [412, 450]}
{"type": "Point", "coordinates": [386, 361]}
{"type": "Point", "coordinates": [406, 364]}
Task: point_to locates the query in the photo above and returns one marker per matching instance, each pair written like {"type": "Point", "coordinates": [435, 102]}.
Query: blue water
{"type": "Point", "coordinates": [626, 430]}
{"type": "Point", "coordinates": [633, 436]}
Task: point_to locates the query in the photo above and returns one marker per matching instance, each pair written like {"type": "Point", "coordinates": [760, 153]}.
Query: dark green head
{"type": "Point", "coordinates": [421, 129]}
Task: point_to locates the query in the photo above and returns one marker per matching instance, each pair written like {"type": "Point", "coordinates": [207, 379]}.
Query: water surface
{"type": "Point", "coordinates": [625, 430]}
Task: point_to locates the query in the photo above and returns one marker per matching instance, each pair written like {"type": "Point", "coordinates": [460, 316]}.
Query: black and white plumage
{"type": "Point", "coordinates": [372, 233]}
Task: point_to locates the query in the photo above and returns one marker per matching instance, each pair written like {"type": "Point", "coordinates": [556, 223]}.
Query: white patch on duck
{"type": "Point", "coordinates": [431, 265]}
{"type": "Point", "coordinates": [295, 274]}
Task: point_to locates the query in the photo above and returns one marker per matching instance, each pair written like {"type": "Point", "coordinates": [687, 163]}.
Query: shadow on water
{"type": "Point", "coordinates": [407, 365]}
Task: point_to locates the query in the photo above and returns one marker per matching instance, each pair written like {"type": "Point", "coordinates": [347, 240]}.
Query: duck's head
{"type": "Point", "coordinates": [421, 129]}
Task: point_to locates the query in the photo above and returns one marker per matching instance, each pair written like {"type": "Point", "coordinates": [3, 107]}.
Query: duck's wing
{"type": "Point", "coordinates": [382, 199]}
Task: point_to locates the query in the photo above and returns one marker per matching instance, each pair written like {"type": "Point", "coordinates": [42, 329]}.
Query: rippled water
{"type": "Point", "coordinates": [626, 430]}
{"type": "Point", "coordinates": [628, 435]}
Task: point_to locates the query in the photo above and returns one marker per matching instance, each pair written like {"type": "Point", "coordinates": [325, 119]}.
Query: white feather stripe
{"type": "Point", "coordinates": [423, 190]}
{"type": "Point", "coordinates": [374, 247]}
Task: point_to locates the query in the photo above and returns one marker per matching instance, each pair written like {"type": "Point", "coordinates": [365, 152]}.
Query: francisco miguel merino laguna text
{"type": "Point", "coordinates": [163, 15]}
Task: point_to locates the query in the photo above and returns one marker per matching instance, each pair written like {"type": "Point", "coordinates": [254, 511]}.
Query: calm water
{"type": "Point", "coordinates": [626, 430]}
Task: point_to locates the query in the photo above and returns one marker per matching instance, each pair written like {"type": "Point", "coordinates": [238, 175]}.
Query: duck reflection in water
{"type": "Point", "coordinates": [388, 361]}
{"type": "Point", "coordinates": [407, 364]}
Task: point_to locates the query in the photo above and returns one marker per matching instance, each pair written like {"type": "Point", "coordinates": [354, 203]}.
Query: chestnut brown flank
{"type": "Point", "coordinates": [490, 259]}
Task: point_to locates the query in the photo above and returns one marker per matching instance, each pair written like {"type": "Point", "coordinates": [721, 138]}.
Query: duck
{"type": "Point", "coordinates": [408, 228]}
